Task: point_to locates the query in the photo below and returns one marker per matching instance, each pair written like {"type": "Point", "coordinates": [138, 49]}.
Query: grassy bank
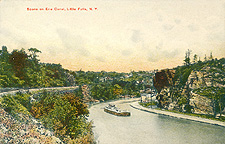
{"type": "Point", "coordinates": [148, 105]}
{"type": "Point", "coordinates": [222, 119]}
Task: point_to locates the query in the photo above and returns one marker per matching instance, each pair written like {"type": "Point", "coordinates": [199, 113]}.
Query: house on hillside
{"type": "Point", "coordinates": [147, 97]}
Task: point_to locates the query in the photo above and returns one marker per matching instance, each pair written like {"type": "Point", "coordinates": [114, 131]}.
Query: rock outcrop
{"type": "Point", "coordinates": [196, 80]}
{"type": "Point", "coordinates": [206, 77]}
{"type": "Point", "coordinates": [163, 79]}
{"type": "Point", "coordinates": [86, 94]}
{"type": "Point", "coordinates": [201, 104]}
{"type": "Point", "coordinates": [24, 130]}
{"type": "Point", "coordinates": [189, 89]}
{"type": "Point", "coordinates": [163, 82]}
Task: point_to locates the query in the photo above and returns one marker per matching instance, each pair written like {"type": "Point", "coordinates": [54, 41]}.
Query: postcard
{"type": "Point", "coordinates": [112, 71]}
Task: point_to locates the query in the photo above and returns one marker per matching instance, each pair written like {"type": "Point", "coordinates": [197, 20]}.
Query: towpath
{"type": "Point", "coordinates": [177, 115]}
{"type": "Point", "coordinates": [36, 89]}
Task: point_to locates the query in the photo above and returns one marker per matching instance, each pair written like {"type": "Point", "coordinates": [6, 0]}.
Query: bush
{"type": "Point", "coordinates": [12, 105]}
{"type": "Point", "coordinates": [66, 114]}
{"type": "Point", "coordinates": [148, 104]}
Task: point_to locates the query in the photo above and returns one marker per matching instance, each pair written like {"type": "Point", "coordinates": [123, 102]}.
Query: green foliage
{"type": "Point", "coordinates": [187, 59]}
{"type": "Point", "coordinates": [217, 94]}
{"type": "Point", "coordinates": [182, 101]}
{"type": "Point", "coordinates": [12, 104]}
{"type": "Point", "coordinates": [23, 99]}
{"type": "Point", "coordinates": [196, 115]}
{"type": "Point", "coordinates": [195, 58]}
{"type": "Point", "coordinates": [148, 104]}
{"type": "Point", "coordinates": [213, 72]}
{"type": "Point", "coordinates": [182, 74]}
{"type": "Point", "coordinates": [117, 90]}
{"type": "Point", "coordinates": [64, 113]}
{"type": "Point", "coordinates": [111, 85]}
{"type": "Point", "coordinates": [7, 75]}
{"type": "Point", "coordinates": [22, 69]}
{"type": "Point", "coordinates": [102, 91]}
{"type": "Point", "coordinates": [18, 59]}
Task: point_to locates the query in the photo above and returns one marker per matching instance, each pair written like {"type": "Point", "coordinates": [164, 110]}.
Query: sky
{"type": "Point", "coordinates": [116, 35]}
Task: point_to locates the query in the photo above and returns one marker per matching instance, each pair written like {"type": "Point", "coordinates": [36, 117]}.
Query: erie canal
{"type": "Point", "coordinates": [147, 128]}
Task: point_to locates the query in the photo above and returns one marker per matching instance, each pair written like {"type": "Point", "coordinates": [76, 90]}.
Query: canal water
{"type": "Point", "coordinates": [147, 128]}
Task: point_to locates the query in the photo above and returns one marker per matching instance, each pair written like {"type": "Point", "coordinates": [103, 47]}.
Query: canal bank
{"type": "Point", "coordinates": [122, 100]}
{"type": "Point", "coordinates": [176, 115]}
{"type": "Point", "coordinates": [149, 128]}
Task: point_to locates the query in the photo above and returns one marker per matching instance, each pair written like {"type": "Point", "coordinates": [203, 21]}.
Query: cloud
{"type": "Point", "coordinates": [100, 59]}
{"type": "Point", "coordinates": [160, 18]}
{"type": "Point", "coordinates": [51, 50]}
{"type": "Point", "coordinates": [177, 21]}
{"type": "Point", "coordinates": [136, 37]}
{"type": "Point", "coordinates": [170, 54]}
{"type": "Point", "coordinates": [126, 52]}
{"type": "Point", "coordinates": [15, 36]}
{"type": "Point", "coordinates": [160, 45]}
{"type": "Point", "coordinates": [193, 28]}
{"type": "Point", "coordinates": [216, 36]}
{"type": "Point", "coordinates": [155, 55]}
{"type": "Point", "coordinates": [73, 42]}
{"type": "Point", "coordinates": [152, 56]}
{"type": "Point", "coordinates": [5, 32]}
{"type": "Point", "coordinates": [84, 52]}
{"type": "Point", "coordinates": [152, 59]}
{"type": "Point", "coordinates": [167, 27]}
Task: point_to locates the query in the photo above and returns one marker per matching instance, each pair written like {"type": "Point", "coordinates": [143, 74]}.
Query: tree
{"type": "Point", "coordinates": [19, 59]}
{"type": "Point", "coordinates": [210, 57]}
{"type": "Point", "coordinates": [199, 60]}
{"type": "Point", "coordinates": [205, 58]}
{"type": "Point", "coordinates": [195, 58]}
{"type": "Point", "coordinates": [34, 55]}
{"type": "Point", "coordinates": [215, 73]}
{"type": "Point", "coordinates": [221, 94]}
{"type": "Point", "coordinates": [187, 57]}
{"type": "Point", "coordinates": [64, 113]}
{"type": "Point", "coordinates": [117, 90]}
{"type": "Point", "coordinates": [34, 52]}
{"type": "Point", "coordinates": [4, 55]}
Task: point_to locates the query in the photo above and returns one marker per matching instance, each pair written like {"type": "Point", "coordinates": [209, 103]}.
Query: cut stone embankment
{"type": "Point", "coordinates": [176, 115]}
{"type": "Point", "coordinates": [14, 91]}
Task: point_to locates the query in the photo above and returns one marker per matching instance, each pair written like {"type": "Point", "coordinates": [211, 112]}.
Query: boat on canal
{"type": "Point", "coordinates": [112, 109]}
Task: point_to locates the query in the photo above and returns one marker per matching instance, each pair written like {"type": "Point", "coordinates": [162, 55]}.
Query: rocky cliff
{"type": "Point", "coordinates": [172, 97]}
{"type": "Point", "coordinates": [163, 79]}
{"type": "Point", "coordinates": [201, 104]}
{"type": "Point", "coordinates": [198, 88]}
{"type": "Point", "coordinates": [23, 129]}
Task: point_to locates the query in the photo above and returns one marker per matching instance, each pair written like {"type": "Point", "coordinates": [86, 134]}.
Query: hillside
{"type": "Point", "coordinates": [44, 116]}
{"type": "Point", "coordinates": [63, 114]}
{"type": "Point", "coordinates": [23, 69]}
{"type": "Point", "coordinates": [27, 130]}
{"type": "Point", "coordinates": [195, 88]}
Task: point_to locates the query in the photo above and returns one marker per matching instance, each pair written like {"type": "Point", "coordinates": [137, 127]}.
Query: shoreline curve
{"type": "Point", "coordinates": [176, 115]}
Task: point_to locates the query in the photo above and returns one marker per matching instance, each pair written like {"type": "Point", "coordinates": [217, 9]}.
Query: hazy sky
{"type": "Point", "coordinates": [121, 35]}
